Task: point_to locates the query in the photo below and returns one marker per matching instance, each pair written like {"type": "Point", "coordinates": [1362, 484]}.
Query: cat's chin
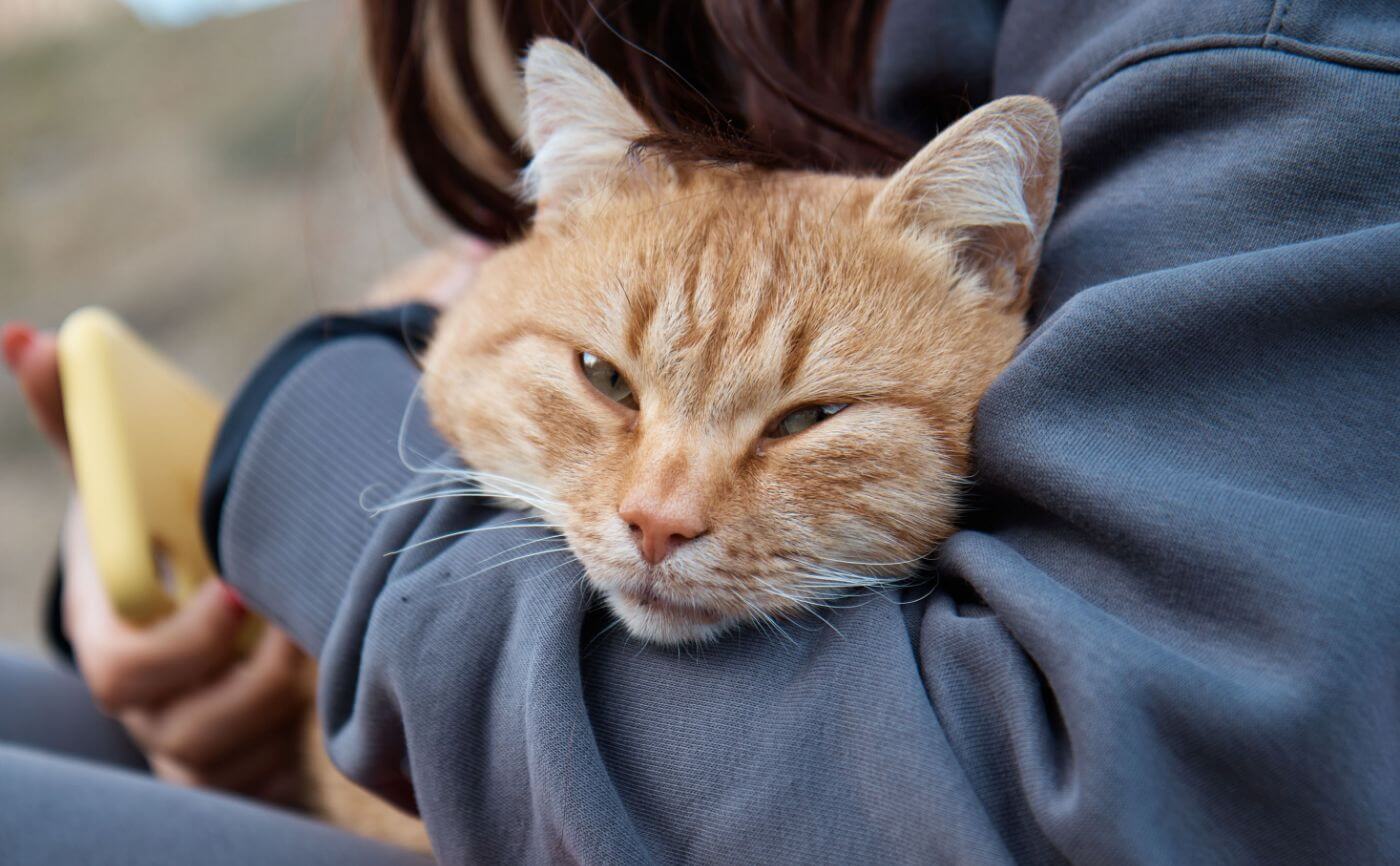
{"type": "Point", "coordinates": [660, 622]}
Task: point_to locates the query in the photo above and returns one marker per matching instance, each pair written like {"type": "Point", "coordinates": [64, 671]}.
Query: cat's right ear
{"type": "Point", "coordinates": [578, 125]}
{"type": "Point", "coordinates": [983, 190]}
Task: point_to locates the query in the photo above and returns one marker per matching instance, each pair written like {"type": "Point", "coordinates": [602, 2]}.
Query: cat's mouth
{"type": "Point", "coordinates": [650, 615]}
{"type": "Point", "coordinates": [649, 599]}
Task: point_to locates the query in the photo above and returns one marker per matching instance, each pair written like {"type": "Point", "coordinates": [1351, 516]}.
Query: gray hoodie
{"type": "Point", "coordinates": [1170, 631]}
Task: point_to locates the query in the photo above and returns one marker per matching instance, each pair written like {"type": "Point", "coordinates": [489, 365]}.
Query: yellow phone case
{"type": "Point", "coordinates": [140, 431]}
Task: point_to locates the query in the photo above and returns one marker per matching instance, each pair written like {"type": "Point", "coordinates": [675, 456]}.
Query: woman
{"type": "Point", "coordinates": [1169, 633]}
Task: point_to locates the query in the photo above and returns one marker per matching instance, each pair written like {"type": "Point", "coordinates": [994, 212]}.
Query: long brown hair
{"type": "Point", "coordinates": [783, 83]}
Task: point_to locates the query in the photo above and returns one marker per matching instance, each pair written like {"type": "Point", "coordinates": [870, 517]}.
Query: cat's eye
{"type": "Point", "coordinates": [603, 376]}
{"type": "Point", "coordinates": [800, 419]}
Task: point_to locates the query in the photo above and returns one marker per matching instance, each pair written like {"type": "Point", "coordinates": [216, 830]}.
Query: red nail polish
{"type": "Point", "coordinates": [17, 337]}
{"type": "Point", "coordinates": [234, 600]}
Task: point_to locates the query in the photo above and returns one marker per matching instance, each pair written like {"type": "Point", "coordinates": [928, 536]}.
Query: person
{"type": "Point", "coordinates": [1169, 631]}
{"type": "Point", "coordinates": [196, 713]}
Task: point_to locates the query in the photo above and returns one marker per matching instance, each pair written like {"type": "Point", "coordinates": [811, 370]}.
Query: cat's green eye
{"type": "Point", "coordinates": [800, 419]}
{"type": "Point", "coordinates": [603, 376]}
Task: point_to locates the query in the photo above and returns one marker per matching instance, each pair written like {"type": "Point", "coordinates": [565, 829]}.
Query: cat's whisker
{"type": "Point", "coordinates": [541, 501]}
{"type": "Point", "coordinates": [878, 585]}
{"type": "Point", "coordinates": [461, 532]}
{"type": "Point", "coordinates": [777, 628]}
{"type": "Point", "coordinates": [874, 564]}
{"type": "Point", "coordinates": [933, 587]}
{"type": "Point", "coordinates": [414, 500]}
{"type": "Point", "coordinates": [807, 606]}
{"type": "Point", "coordinates": [482, 571]}
{"type": "Point", "coordinates": [764, 618]}
{"type": "Point", "coordinates": [470, 472]}
{"type": "Point", "coordinates": [463, 493]}
{"type": "Point", "coordinates": [855, 598]}
{"type": "Point", "coordinates": [548, 571]}
{"type": "Point", "coordinates": [841, 582]}
{"type": "Point", "coordinates": [414, 491]}
{"type": "Point", "coordinates": [787, 593]}
{"type": "Point", "coordinates": [816, 613]}
{"type": "Point", "coordinates": [478, 476]}
{"type": "Point", "coordinates": [555, 536]}
{"type": "Point", "coordinates": [602, 631]}
{"type": "Point", "coordinates": [845, 573]}
{"type": "Point", "coordinates": [581, 584]}
{"type": "Point", "coordinates": [490, 484]}
{"type": "Point", "coordinates": [402, 443]}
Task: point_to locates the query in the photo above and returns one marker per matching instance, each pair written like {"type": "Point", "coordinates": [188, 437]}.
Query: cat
{"type": "Point", "coordinates": [738, 393]}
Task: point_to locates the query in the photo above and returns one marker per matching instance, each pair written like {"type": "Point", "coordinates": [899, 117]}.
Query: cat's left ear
{"type": "Point", "coordinates": [986, 187]}
{"type": "Point", "coordinates": [578, 125]}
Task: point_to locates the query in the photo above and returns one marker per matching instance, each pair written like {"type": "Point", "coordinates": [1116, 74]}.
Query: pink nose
{"type": "Point", "coordinates": [659, 531]}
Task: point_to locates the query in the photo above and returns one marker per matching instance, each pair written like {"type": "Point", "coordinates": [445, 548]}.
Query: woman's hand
{"type": "Point", "coordinates": [437, 277]}
{"type": "Point", "coordinates": [202, 713]}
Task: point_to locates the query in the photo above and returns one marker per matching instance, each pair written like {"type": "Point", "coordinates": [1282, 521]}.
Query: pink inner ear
{"type": "Point", "coordinates": [1005, 255]}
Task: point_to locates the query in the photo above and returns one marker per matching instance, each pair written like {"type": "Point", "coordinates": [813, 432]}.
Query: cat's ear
{"type": "Point", "coordinates": [578, 125]}
{"type": "Point", "coordinates": [987, 187]}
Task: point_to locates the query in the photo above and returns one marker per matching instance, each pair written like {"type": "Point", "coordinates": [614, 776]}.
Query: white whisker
{"type": "Point", "coordinates": [548, 571]}
{"type": "Point", "coordinates": [763, 617]}
{"type": "Point", "coordinates": [920, 558]}
{"type": "Point", "coordinates": [481, 571]}
{"type": "Point", "coordinates": [554, 536]}
{"type": "Point", "coordinates": [461, 532]}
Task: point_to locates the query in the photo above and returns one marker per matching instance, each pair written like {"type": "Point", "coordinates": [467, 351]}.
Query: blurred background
{"type": "Point", "coordinates": [212, 170]}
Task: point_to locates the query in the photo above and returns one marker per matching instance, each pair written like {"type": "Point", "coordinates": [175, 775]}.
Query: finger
{"type": "Point", "coordinates": [286, 787]}
{"type": "Point", "coordinates": [209, 725]}
{"type": "Point", "coordinates": [89, 619]}
{"type": "Point", "coordinates": [32, 357]}
{"type": "Point", "coordinates": [466, 257]}
{"type": "Point", "coordinates": [472, 248]}
{"type": "Point", "coordinates": [131, 667]}
{"type": "Point", "coordinates": [248, 771]}
{"type": "Point", "coordinates": [87, 609]}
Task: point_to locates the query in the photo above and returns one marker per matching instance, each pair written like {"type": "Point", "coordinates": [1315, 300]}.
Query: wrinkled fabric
{"type": "Point", "coordinates": [1169, 632]}
{"type": "Point", "coordinates": [75, 790]}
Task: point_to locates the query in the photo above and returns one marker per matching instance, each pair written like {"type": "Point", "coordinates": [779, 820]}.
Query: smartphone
{"type": "Point", "coordinates": [140, 431]}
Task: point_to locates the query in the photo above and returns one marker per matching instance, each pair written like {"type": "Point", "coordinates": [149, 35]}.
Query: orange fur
{"type": "Point", "coordinates": [727, 297]}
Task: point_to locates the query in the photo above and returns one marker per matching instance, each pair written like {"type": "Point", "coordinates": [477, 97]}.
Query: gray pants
{"type": "Point", "coordinates": [74, 790]}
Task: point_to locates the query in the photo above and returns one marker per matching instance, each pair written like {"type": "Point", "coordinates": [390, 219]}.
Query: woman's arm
{"type": "Point", "coordinates": [469, 664]}
{"type": "Point", "coordinates": [1152, 648]}
{"type": "Point", "coordinates": [1170, 634]}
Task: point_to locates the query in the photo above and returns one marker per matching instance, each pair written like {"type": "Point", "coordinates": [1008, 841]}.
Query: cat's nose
{"type": "Point", "coordinates": [659, 529]}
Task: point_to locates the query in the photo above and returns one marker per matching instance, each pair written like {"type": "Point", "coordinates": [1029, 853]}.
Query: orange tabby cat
{"type": "Point", "coordinates": [739, 392]}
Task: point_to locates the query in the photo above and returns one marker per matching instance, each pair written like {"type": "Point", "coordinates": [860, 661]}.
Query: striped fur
{"type": "Point", "coordinates": [729, 296]}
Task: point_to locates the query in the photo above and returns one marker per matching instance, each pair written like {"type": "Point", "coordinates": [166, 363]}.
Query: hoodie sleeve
{"type": "Point", "coordinates": [1170, 632]}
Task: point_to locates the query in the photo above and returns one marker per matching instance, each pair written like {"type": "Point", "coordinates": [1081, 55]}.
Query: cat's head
{"type": "Point", "coordinates": [739, 392]}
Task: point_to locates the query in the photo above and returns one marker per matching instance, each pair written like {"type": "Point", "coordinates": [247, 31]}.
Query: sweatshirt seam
{"type": "Point", "coordinates": [1279, 13]}
{"type": "Point", "coordinates": [1270, 40]}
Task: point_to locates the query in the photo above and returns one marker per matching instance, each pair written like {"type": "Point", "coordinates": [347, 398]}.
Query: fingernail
{"type": "Point", "coordinates": [234, 600]}
{"type": "Point", "coordinates": [16, 337]}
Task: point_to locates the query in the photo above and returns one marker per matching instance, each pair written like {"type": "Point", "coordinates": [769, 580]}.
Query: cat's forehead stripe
{"type": "Point", "coordinates": [723, 321]}
{"type": "Point", "coordinates": [640, 308]}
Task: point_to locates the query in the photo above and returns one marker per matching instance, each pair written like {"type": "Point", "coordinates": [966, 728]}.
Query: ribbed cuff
{"type": "Point", "coordinates": [409, 325]}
